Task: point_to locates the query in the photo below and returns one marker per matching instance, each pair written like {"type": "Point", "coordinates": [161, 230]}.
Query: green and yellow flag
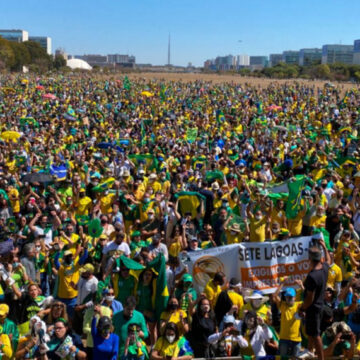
{"type": "Point", "coordinates": [162, 292]}
{"type": "Point", "coordinates": [189, 201]}
{"type": "Point", "coordinates": [294, 201]}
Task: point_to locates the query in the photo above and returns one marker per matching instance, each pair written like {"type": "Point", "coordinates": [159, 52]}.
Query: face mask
{"type": "Point", "coordinates": [205, 308]}
{"type": "Point", "coordinates": [109, 298]}
{"type": "Point", "coordinates": [150, 216]}
{"type": "Point", "coordinates": [56, 247]}
{"type": "Point", "coordinates": [258, 217]}
{"type": "Point", "coordinates": [233, 232]}
{"type": "Point", "coordinates": [68, 260]}
{"type": "Point", "coordinates": [38, 248]}
{"type": "Point", "coordinates": [170, 338]}
{"type": "Point", "coordinates": [225, 204]}
{"type": "Point", "coordinates": [105, 332]}
{"type": "Point", "coordinates": [68, 232]}
{"type": "Point", "coordinates": [319, 213]}
{"type": "Point", "coordinates": [290, 301]}
{"type": "Point", "coordinates": [146, 200]}
{"type": "Point", "coordinates": [256, 303]}
{"type": "Point", "coordinates": [275, 231]}
{"type": "Point", "coordinates": [173, 306]}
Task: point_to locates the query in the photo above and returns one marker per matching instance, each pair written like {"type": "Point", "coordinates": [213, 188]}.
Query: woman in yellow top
{"type": "Point", "coordinates": [169, 345]}
{"type": "Point", "coordinates": [174, 314]}
{"type": "Point", "coordinates": [258, 224]}
{"type": "Point", "coordinates": [177, 242]}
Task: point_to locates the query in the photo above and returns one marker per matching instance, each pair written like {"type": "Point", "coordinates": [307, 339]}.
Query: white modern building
{"type": "Point", "coordinates": [15, 35]}
{"type": "Point", "coordinates": [242, 60]}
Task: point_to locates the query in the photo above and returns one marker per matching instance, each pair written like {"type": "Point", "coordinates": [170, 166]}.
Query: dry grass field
{"type": "Point", "coordinates": [227, 78]}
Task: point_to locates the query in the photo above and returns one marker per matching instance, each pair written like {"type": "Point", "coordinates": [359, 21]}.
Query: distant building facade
{"type": "Point", "coordinates": [242, 60]}
{"type": "Point", "coordinates": [258, 62]}
{"type": "Point", "coordinates": [275, 59]}
{"type": "Point", "coordinates": [332, 54]}
{"type": "Point", "coordinates": [310, 56]}
{"type": "Point", "coordinates": [121, 60]}
{"type": "Point", "coordinates": [290, 57]}
{"type": "Point", "coordinates": [44, 41]}
{"type": "Point", "coordinates": [356, 55]}
{"type": "Point", "coordinates": [93, 59]}
{"type": "Point", "coordinates": [15, 35]}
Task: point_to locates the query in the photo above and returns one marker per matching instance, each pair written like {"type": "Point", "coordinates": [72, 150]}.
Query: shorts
{"type": "Point", "coordinates": [312, 322]}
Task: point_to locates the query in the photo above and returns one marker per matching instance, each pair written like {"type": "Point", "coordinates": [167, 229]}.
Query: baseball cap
{"type": "Point", "coordinates": [4, 309]}
{"type": "Point", "coordinates": [187, 278]}
{"type": "Point", "coordinates": [87, 268]}
{"type": "Point", "coordinates": [229, 319]}
{"type": "Point", "coordinates": [290, 292]}
{"type": "Point", "coordinates": [68, 252]}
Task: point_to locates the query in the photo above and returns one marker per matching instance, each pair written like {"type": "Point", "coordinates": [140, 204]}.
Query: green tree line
{"type": "Point", "coordinates": [14, 55]}
{"type": "Point", "coordinates": [338, 71]}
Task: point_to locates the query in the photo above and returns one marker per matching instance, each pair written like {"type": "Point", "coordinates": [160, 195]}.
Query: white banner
{"type": "Point", "coordinates": [258, 265]}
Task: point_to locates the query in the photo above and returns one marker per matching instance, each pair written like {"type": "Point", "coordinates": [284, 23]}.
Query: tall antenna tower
{"type": "Point", "coordinates": [169, 51]}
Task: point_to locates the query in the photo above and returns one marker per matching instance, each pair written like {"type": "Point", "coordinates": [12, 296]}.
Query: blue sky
{"type": "Point", "coordinates": [199, 29]}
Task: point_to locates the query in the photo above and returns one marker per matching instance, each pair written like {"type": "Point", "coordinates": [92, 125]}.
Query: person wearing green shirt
{"type": "Point", "coordinates": [122, 319]}
{"type": "Point", "coordinates": [8, 327]}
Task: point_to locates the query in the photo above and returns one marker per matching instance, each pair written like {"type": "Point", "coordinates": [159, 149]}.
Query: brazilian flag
{"type": "Point", "coordinates": [189, 202]}
{"type": "Point", "coordinates": [162, 292]}
{"type": "Point", "coordinates": [150, 161]}
{"type": "Point", "coordinates": [220, 117]}
{"type": "Point", "coordinates": [294, 201]}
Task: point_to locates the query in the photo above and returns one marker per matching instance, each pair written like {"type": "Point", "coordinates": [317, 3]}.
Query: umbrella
{"type": "Point", "coordinates": [49, 96]}
{"type": "Point", "coordinates": [147, 93]}
{"type": "Point", "coordinates": [10, 135]}
{"type": "Point", "coordinates": [104, 145]}
{"type": "Point", "coordinates": [273, 107]}
{"type": "Point", "coordinates": [38, 177]}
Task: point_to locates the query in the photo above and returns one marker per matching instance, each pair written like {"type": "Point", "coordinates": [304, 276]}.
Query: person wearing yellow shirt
{"type": "Point", "coordinates": [212, 289]}
{"type": "Point", "coordinates": [153, 183]}
{"type": "Point", "coordinates": [165, 184]}
{"type": "Point", "coordinates": [257, 224]}
{"type": "Point", "coordinates": [290, 337]}
{"type": "Point", "coordinates": [278, 214]}
{"type": "Point", "coordinates": [68, 276]}
{"type": "Point", "coordinates": [83, 203]}
{"type": "Point", "coordinates": [296, 224]}
{"type": "Point", "coordinates": [233, 293]}
{"type": "Point", "coordinates": [106, 202]}
{"type": "Point", "coordinates": [127, 178]}
{"type": "Point", "coordinates": [334, 275]}
{"type": "Point", "coordinates": [257, 302]}
{"type": "Point", "coordinates": [234, 235]}
{"type": "Point", "coordinates": [13, 194]}
{"type": "Point", "coordinates": [319, 219]}
{"type": "Point", "coordinates": [69, 238]}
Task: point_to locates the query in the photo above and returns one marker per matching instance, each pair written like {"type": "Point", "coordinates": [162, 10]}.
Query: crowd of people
{"type": "Point", "coordinates": [105, 186]}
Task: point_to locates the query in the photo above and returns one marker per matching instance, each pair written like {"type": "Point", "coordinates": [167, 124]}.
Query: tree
{"type": "Point", "coordinates": [38, 55]}
{"type": "Point", "coordinates": [7, 55]}
{"type": "Point", "coordinates": [59, 61]}
{"type": "Point", "coordinates": [22, 55]}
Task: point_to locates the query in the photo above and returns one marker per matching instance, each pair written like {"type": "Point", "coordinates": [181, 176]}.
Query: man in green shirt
{"type": "Point", "coordinates": [122, 319]}
{"type": "Point", "coordinates": [9, 327]}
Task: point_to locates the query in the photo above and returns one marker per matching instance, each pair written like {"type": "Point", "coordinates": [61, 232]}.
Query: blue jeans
{"type": "Point", "coordinates": [44, 284]}
{"type": "Point", "coordinates": [288, 348]}
{"type": "Point", "coordinates": [70, 306]}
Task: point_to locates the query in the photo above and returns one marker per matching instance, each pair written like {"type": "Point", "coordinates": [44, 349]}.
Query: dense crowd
{"type": "Point", "coordinates": [106, 185]}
